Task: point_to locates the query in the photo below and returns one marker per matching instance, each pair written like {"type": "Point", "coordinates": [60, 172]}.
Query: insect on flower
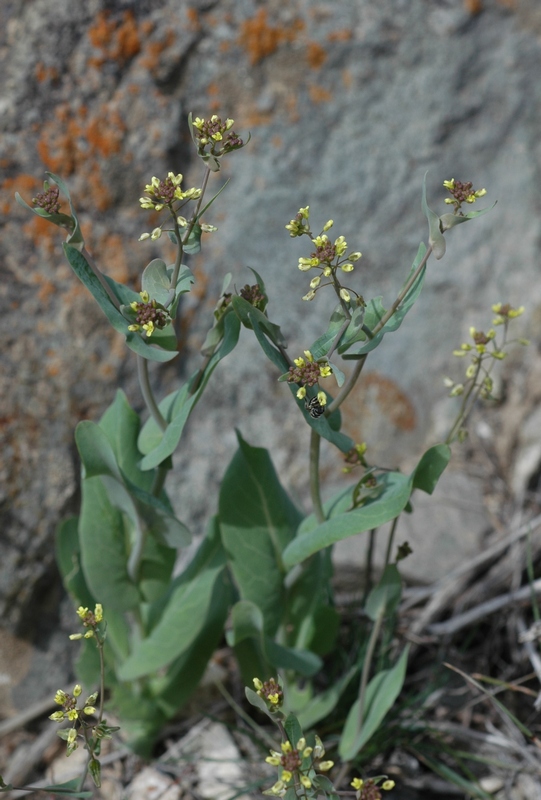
{"type": "Point", "coordinates": [314, 407]}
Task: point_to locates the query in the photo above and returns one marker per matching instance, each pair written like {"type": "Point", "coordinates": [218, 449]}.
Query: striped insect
{"type": "Point", "coordinates": [314, 407]}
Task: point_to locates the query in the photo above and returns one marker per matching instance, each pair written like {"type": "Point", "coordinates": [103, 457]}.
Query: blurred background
{"type": "Point", "coordinates": [349, 103]}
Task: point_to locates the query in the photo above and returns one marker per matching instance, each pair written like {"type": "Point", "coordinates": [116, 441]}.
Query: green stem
{"type": "Point", "coordinates": [369, 563]}
{"type": "Point", "coordinates": [388, 314]}
{"type": "Point", "coordinates": [159, 480]}
{"type": "Point", "coordinates": [338, 336]}
{"type": "Point", "coordinates": [146, 391]}
{"type": "Point", "coordinates": [390, 540]}
{"type": "Point", "coordinates": [347, 387]}
{"type": "Point", "coordinates": [315, 440]}
{"type": "Point", "coordinates": [368, 663]}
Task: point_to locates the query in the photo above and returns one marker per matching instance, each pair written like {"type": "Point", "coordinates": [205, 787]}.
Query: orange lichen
{"type": "Point", "coordinates": [112, 254]}
{"type": "Point", "coordinates": [315, 55]}
{"type": "Point", "coordinates": [117, 39]}
{"type": "Point", "coordinates": [75, 141]}
{"type": "Point", "coordinates": [44, 73]}
{"type": "Point", "coordinates": [26, 185]}
{"type": "Point", "coordinates": [41, 232]}
{"type": "Point", "coordinates": [390, 400]}
{"type": "Point", "coordinates": [260, 39]}
{"type": "Point", "coordinates": [105, 131]}
{"type": "Point", "coordinates": [473, 7]}
{"type": "Point", "coordinates": [153, 50]}
{"type": "Point", "coordinates": [342, 35]}
{"type": "Point", "coordinates": [318, 94]}
{"type": "Point", "coordinates": [194, 22]}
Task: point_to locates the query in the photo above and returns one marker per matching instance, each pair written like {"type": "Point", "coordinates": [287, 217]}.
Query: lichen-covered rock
{"type": "Point", "coordinates": [349, 102]}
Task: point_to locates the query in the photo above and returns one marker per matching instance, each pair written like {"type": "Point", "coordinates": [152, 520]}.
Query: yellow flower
{"type": "Point", "coordinates": [306, 782]}
{"type": "Point", "coordinates": [98, 612]}
{"type": "Point", "coordinates": [388, 785]}
{"type": "Point", "coordinates": [286, 775]}
{"type": "Point", "coordinates": [328, 225]}
{"type": "Point", "coordinates": [357, 783]}
{"type": "Point", "coordinates": [60, 697]}
{"type": "Point", "coordinates": [325, 766]}
{"type": "Point", "coordinates": [345, 295]}
{"type": "Point", "coordinates": [449, 184]}
{"type": "Point", "coordinates": [325, 371]}
{"type": "Point", "coordinates": [301, 393]}
{"type": "Point", "coordinates": [322, 398]}
{"type": "Point", "coordinates": [257, 683]}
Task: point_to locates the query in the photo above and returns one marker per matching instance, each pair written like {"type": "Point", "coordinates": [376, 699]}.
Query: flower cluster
{"type": "Point", "coordinates": [308, 372]}
{"type": "Point", "coordinates": [370, 789]}
{"type": "Point", "coordinates": [218, 136]}
{"type": "Point", "coordinates": [90, 620]}
{"type": "Point", "coordinates": [328, 256]}
{"type": "Point", "coordinates": [297, 765]}
{"type": "Point", "coordinates": [299, 224]}
{"type": "Point", "coordinates": [149, 315]}
{"type": "Point", "coordinates": [483, 346]}
{"type": "Point", "coordinates": [270, 691]}
{"type": "Point", "coordinates": [355, 457]}
{"type": "Point", "coordinates": [462, 193]}
{"type": "Point", "coordinates": [504, 312]}
{"type": "Point", "coordinates": [71, 712]}
{"type": "Point", "coordinates": [48, 199]}
{"type": "Point", "coordinates": [253, 295]}
{"type": "Point", "coordinates": [164, 193]}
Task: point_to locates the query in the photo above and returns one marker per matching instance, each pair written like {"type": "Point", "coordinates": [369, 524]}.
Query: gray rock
{"type": "Point", "coordinates": [347, 113]}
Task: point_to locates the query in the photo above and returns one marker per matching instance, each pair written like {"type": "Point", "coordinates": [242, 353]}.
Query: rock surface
{"type": "Point", "coordinates": [349, 102]}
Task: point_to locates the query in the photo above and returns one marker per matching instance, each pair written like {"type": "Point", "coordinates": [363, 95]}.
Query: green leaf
{"type": "Point", "coordinates": [192, 245]}
{"type": "Point", "coordinates": [177, 686]}
{"type": "Point", "coordinates": [68, 558]}
{"type": "Point", "coordinates": [356, 342]}
{"type": "Point", "coordinates": [182, 403]}
{"type": "Point", "coordinates": [94, 767]}
{"type": "Point", "coordinates": [293, 729]}
{"type": "Point", "coordinates": [141, 346]}
{"type": "Point", "coordinates": [156, 280]}
{"type": "Point", "coordinates": [255, 700]}
{"type": "Point", "coordinates": [324, 703]}
{"type": "Point", "coordinates": [122, 424]}
{"type": "Point", "coordinates": [321, 346]}
{"type": "Point", "coordinates": [450, 220]}
{"type": "Point", "coordinates": [257, 520]}
{"type": "Point", "coordinates": [69, 789]}
{"type": "Point", "coordinates": [435, 238]}
{"type": "Point", "coordinates": [376, 512]}
{"type": "Point", "coordinates": [431, 467]}
{"type": "Point", "coordinates": [103, 549]}
{"type": "Point", "coordinates": [451, 775]}
{"type": "Point", "coordinates": [182, 620]}
{"type": "Point", "coordinates": [247, 313]}
{"type": "Point", "coordinates": [385, 596]}
{"type": "Point", "coordinates": [381, 693]}
{"type": "Point", "coordinates": [247, 624]}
